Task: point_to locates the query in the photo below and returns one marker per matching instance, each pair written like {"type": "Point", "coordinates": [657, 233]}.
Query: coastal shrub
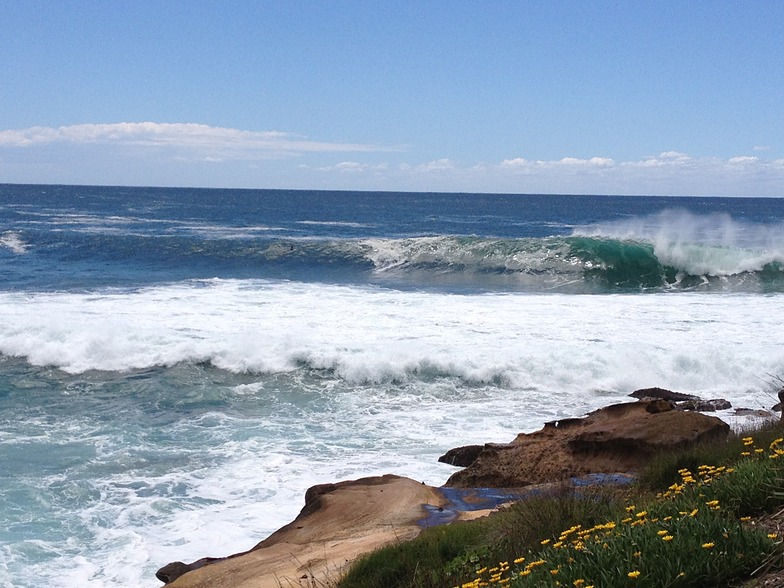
{"type": "Point", "coordinates": [524, 524]}
{"type": "Point", "coordinates": [662, 471]}
{"type": "Point", "coordinates": [696, 531]}
{"type": "Point", "coordinates": [437, 553]}
{"type": "Point", "coordinates": [453, 553]}
{"type": "Point", "coordinates": [673, 548]}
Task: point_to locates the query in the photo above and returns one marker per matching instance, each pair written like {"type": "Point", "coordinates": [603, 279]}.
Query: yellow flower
{"type": "Point", "coordinates": [708, 545]}
{"type": "Point", "coordinates": [667, 538]}
{"type": "Point", "coordinates": [641, 514]}
{"type": "Point", "coordinates": [634, 574]}
{"type": "Point", "coordinates": [519, 560]}
{"type": "Point", "coordinates": [544, 542]}
{"type": "Point", "coordinates": [554, 572]}
{"type": "Point", "coordinates": [772, 535]}
{"type": "Point", "coordinates": [745, 519]}
{"type": "Point", "coordinates": [525, 572]}
{"type": "Point", "coordinates": [578, 582]}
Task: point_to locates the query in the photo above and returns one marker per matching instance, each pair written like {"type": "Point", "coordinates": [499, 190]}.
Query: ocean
{"type": "Point", "coordinates": [177, 366]}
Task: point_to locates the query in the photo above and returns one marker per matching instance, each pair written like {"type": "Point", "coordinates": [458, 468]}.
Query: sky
{"type": "Point", "coordinates": [578, 97]}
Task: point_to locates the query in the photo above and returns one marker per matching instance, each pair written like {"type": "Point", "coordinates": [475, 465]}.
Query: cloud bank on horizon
{"type": "Point", "coordinates": [187, 144]}
{"type": "Point", "coordinates": [671, 98]}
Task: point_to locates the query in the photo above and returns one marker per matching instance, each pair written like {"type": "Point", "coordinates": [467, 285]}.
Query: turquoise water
{"type": "Point", "coordinates": [178, 366]}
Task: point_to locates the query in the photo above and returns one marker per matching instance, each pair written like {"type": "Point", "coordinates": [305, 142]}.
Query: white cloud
{"type": "Point", "coordinates": [348, 167]}
{"type": "Point", "coordinates": [743, 160]}
{"type": "Point", "coordinates": [438, 165]}
{"type": "Point", "coordinates": [517, 162]}
{"type": "Point", "coordinates": [521, 164]}
{"type": "Point", "coordinates": [180, 154]}
{"type": "Point", "coordinates": [669, 173]}
{"type": "Point", "coordinates": [668, 159]}
{"type": "Point", "coordinates": [220, 142]}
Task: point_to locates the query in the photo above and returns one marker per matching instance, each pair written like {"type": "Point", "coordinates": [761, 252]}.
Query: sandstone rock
{"type": "Point", "coordinates": [338, 523]}
{"type": "Point", "coordinates": [344, 520]}
{"type": "Point", "coordinates": [616, 438]}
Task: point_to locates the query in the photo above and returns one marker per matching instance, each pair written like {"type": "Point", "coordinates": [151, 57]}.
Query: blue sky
{"type": "Point", "coordinates": [547, 97]}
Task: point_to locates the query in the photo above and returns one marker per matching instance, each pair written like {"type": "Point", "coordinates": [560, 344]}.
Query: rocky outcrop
{"type": "Point", "coordinates": [344, 520]}
{"type": "Point", "coordinates": [338, 523]}
{"type": "Point", "coordinates": [617, 438]}
{"type": "Point", "coordinates": [661, 394]}
{"type": "Point", "coordinates": [462, 456]}
{"type": "Point", "coordinates": [682, 401]}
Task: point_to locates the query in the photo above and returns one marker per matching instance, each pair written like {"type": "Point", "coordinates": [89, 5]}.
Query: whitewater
{"type": "Point", "coordinates": [178, 366]}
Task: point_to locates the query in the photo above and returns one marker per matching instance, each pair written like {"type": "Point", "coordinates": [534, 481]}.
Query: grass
{"type": "Point", "coordinates": [688, 522]}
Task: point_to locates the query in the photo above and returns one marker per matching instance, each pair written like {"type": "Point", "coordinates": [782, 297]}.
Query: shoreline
{"type": "Point", "coordinates": [345, 520]}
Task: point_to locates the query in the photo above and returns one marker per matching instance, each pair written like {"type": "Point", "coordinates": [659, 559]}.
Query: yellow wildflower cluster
{"type": "Point", "coordinates": [578, 539]}
{"type": "Point", "coordinates": [705, 475]}
{"type": "Point", "coordinates": [774, 450]}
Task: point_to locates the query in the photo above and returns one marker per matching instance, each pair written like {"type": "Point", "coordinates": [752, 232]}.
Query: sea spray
{"type": "Point", "coordinates": [178, 366]}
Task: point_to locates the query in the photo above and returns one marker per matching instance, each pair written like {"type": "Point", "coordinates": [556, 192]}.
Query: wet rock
{"type": "Point", "coordinates": [170, 572]}
{"type": "Point", "coordinates": [752, 412]}
{"type": "Point", "coordinates": [462, 456]}
{"type": "Point", "coordinates": [663, 394]}
{"type": "Point", "coordinates": [704, 405]}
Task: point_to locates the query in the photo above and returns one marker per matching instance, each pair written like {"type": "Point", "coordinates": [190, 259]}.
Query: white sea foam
{"type": "Point", "coordinates": [13, 241]}
{"type": "Point", "coordinates": [548, 342]}
{"type": "Point", "coordinates": [401, 377]}
{"type": "Point", "coordinates": [712, 245]}
{"type": "Point", "coordinates": [334, 224]}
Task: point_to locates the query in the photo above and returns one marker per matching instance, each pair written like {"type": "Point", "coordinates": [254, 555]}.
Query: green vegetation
{"type": "Point", "coordinates": [688, 522]}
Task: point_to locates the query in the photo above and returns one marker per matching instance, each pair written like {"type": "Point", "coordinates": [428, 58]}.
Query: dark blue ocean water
{"type": "Point", "coordinates": [177, 366]}
{"type": "Point", "coordinates": [91, 237]}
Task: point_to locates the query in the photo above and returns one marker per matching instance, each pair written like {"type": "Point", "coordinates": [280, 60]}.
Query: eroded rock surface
{"type": "Point", "coordinates": [344, 520]}
{"type": "Point", "coordinates": [617, 438]}
{"type": "Point", "coordinates": [338, 523]}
